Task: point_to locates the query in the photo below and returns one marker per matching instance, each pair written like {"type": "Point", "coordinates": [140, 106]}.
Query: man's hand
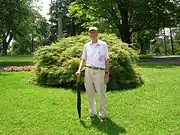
{"type": "Point", "coordinates": [80, 67]}
{"type": "Point", "coordinates": [78, 73]}
{"type": "Point", "coordinates": [106, 78]}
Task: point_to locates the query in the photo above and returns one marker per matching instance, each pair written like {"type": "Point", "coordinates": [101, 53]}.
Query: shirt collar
{"type": "Point", "coordinates": [98, 43]}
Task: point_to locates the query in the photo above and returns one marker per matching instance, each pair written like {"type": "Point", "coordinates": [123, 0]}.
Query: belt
{"type": "Point", "coordinates": [97, 68]}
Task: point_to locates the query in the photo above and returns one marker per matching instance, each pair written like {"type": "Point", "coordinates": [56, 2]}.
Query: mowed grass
{"type": "Point", "coordinates": [16, 60]}
{"type": "Point", "coordinates": [152, 109]}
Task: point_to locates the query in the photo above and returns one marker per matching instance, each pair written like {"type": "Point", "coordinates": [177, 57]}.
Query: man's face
{"type": "Point", "coordinates": [93, 34]}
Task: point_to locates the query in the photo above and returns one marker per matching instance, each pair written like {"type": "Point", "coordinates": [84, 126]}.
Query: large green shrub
{"type": "Point", "coordinates": [56, 64]}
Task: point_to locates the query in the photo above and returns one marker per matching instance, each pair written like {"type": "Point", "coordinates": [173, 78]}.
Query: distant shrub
{"type": "Point", "coordinates": [56, 64]}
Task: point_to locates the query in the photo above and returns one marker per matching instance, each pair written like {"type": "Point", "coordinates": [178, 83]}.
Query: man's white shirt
{"type": "Point", "coordinates": [95, 54]}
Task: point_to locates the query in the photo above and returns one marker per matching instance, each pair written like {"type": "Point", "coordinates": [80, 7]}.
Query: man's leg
{"type": "Point", "coordinates": [90, 91]}
{"type": "Point", "coordinates": [100, 87]}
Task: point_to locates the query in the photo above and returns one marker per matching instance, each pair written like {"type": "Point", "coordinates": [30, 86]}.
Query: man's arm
{"type": "Point", "coordinates": [81, 65]}
{"type": "Point", "coordinates": [107, 60]}
{"type": "Point", "coordinates": [107, 66]}
{"type": "Point", "coordinates": [83, 61]}
{"type": "Point", "coordinates": [106, 77]}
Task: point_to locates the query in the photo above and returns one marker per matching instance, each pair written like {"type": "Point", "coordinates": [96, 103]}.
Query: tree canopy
{"type": "Point", "coordinates": [129, 16]}
{"type": "Point", "coordinates": [16, 20]}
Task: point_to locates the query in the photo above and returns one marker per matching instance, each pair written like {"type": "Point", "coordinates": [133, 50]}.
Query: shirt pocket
{"type": "Point", "coordinates": [101, 56]}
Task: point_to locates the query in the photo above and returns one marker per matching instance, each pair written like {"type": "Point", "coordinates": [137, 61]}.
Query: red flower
{"type": "Point", "coordinates": [18, 68]}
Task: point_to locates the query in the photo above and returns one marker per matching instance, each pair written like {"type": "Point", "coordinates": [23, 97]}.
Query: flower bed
{"type": "Point", "coordinates": [18, 68]}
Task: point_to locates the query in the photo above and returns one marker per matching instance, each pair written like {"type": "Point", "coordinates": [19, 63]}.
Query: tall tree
{"type": "Point", "coordinates": [83, 17]}
{"type": "Point", "coordinates": [36, 35]}
{"type": "Point", "coordinates": [142, 40]}
{"type": "Point", "coordinates": [130, 16]}
{"type": "Point", "coordinates": [172, 43]}
{"type": "Point", "coordinates": [60, 22]}
{"type": "Point", "coordinates": [14, 17]}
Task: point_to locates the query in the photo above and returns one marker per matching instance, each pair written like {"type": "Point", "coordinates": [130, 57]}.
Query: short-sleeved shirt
{"type": "Point", "coordinates": [95, 54]}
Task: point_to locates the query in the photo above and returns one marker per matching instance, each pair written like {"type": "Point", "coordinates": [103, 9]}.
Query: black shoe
{"type": "Point", "coordinates": [92, 117]}
{"type": "Point", "coordinates": [103, 119]}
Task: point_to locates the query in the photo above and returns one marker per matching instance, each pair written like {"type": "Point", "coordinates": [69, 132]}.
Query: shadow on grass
{"type": "Point", "coordinates": [158, 66]}
{"type": "Point", "coordinates": [109, 127]}
{"type": "Point", "coordinates": [74, 88]}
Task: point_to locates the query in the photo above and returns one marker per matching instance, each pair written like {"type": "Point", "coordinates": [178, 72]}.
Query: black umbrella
{"type": "Point", "coordinates": [78, 97]}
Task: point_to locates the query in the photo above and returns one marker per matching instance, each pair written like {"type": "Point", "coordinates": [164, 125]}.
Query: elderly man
{"type": "Point", "coordinates": [95, 57]}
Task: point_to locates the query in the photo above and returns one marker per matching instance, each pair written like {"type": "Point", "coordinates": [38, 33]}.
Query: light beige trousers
{"type": "Point", "coordinates": [94, 82]}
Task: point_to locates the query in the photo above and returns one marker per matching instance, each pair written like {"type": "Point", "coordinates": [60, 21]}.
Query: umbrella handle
{"type": "Point", "coordinates": [78, 78]}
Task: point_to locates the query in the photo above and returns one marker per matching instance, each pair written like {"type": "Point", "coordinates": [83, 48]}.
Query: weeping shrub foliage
{"type": "Point", "coordinates": [56, 64]}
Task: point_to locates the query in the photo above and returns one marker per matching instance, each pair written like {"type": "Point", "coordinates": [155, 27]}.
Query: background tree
{"type": "Point", "coordinates": [58, 11]}
{"type": "Point", "coordinates": [83, 16]}
{"type": "Point", "coordinates": [132, 16]}
{"type": "Point", "coordinates": [142, 40]}
{"type": "Point", "coordinates": [37, 34]}
{"type": "Point", "coordinates": [15, 16]}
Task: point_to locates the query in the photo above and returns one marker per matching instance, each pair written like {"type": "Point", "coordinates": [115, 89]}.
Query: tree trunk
{"type": "Point", "coordinates": [60, 26]}
{"type": "Point", "coordinates": [124, 26]}
{"type": "Point", "coordinates": [165, 48]}
{"type": "Point", "coordinates": [73, 28]}
{"type": "Point", "coordinates": [172, 45]}
{"type": "Point", "coordinates": [125, 34]}
{"type": "Point", "coordinates": [6, 43]}
{"type": "Point", "coordinates": [32, 44]}
{"type": "Point", "coordinates": [4, 49]}
{"type": "Point", "coordinates": [143, 45]}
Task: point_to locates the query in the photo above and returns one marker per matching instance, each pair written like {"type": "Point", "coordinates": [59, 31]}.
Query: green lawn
{"type": "Point", "coordinates": [152, 109]}
{"type": "Point", "coordinates": [16, 60]}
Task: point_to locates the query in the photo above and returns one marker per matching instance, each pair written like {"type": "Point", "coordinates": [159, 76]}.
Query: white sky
{"type": "Point", "coordinates": [44, 4]}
